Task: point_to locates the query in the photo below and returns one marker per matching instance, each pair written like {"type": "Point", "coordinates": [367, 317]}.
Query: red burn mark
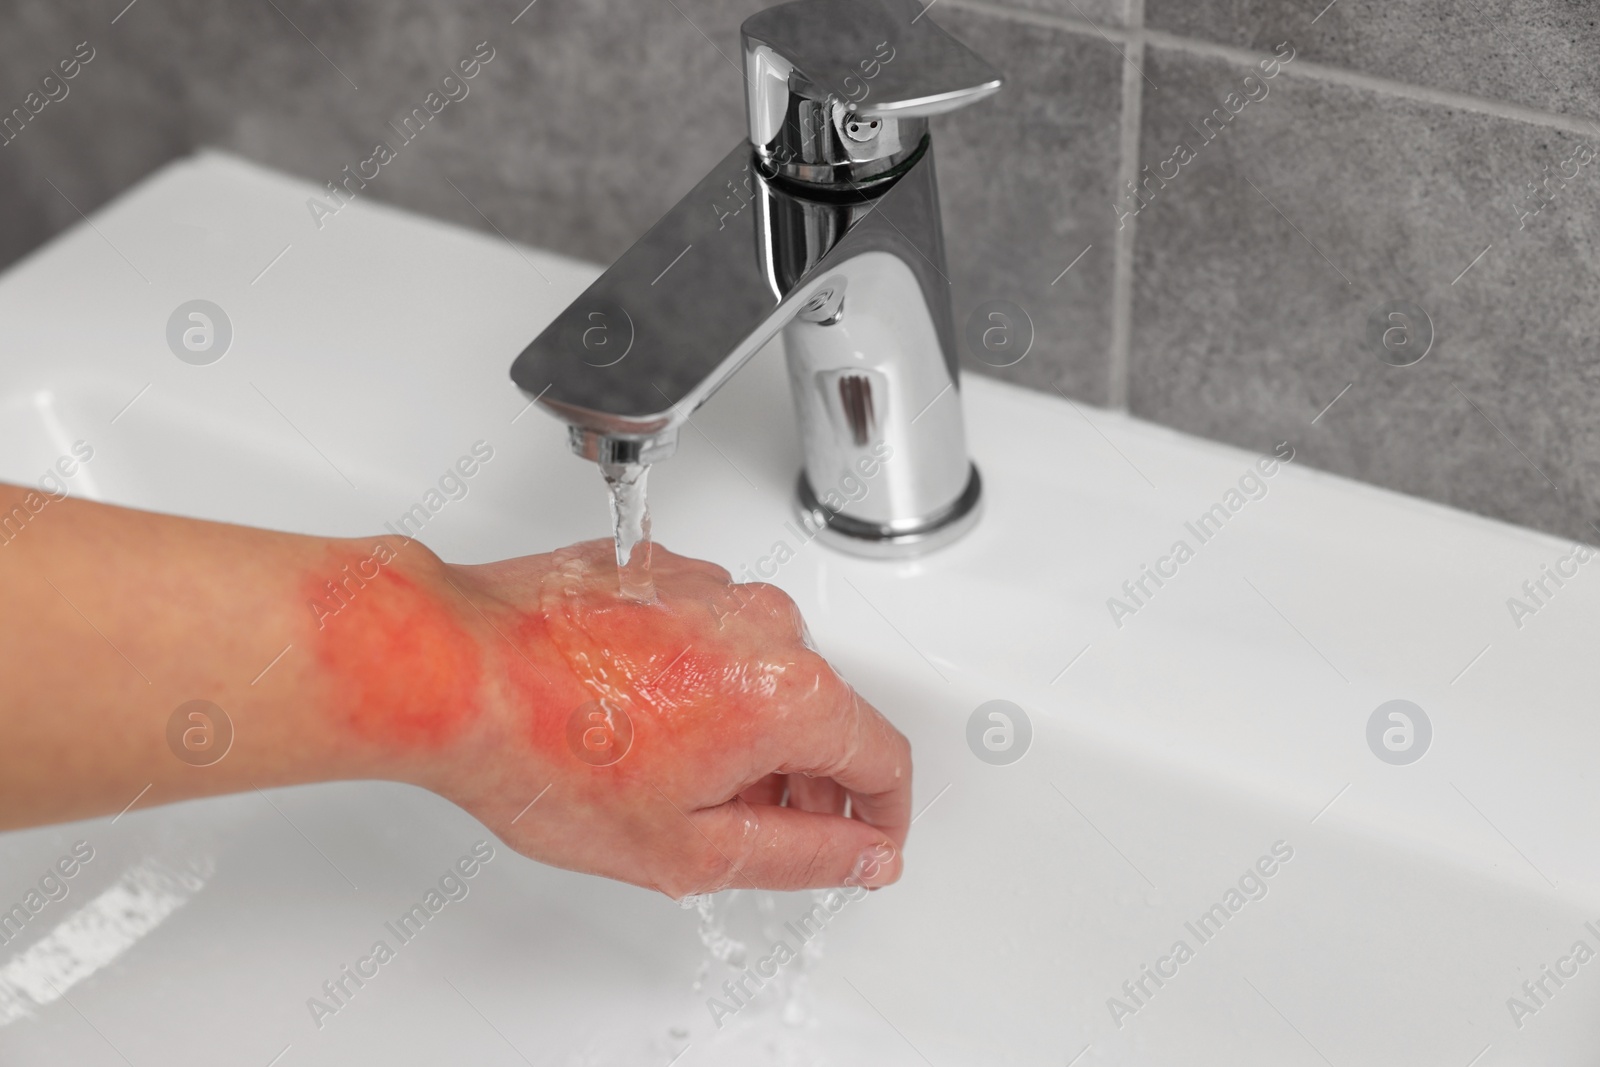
{"type": "Point", "coordinates": [543, 690]}
{"type": "Point", "coordinates": [643, 657]}
{"type": "Point", "coordinates": [401, 666]}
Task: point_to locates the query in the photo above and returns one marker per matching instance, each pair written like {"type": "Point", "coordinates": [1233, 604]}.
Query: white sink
{"type": "Point", "coordinates": [1227, 715]}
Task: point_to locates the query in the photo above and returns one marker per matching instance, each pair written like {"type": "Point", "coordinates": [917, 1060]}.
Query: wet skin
{"type": "Point", "coordinates": [741, 744]}
{"type": "Point", "coordinates": [686, 745]}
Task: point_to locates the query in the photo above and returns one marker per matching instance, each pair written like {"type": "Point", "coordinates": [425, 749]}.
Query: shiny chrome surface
{"type": "Point", "coordinates": [891, 540]}
{"type": "Point", "coordinates": [841, 90]}
{"type": "Point", "coordinates": [830, 233]}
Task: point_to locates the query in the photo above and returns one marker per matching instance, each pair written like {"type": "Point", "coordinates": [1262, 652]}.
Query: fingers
{"type": "Point", "coordinates": [801, 792]}
{"type": "Point", "coordinates": [832, 733]}
{"type": "Point", "coordinates": [768, 791]}
{"type": "Point", "coordinates": [829, 740]}
{"type": "Point", "coordinates": [816, 794]}
{"type": "Point", "coordinates": [795, 849]}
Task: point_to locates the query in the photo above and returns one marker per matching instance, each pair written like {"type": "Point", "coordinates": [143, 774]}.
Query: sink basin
{"type": "Point", "coordinates": [1199, 764]}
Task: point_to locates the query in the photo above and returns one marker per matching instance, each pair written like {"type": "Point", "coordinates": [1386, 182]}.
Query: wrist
{"type": "Point", "coordinates": [483, 663]}
{"type": "Point", "coordinates": [397, 653]}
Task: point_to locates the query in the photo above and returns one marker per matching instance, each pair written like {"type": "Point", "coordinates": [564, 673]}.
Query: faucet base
{"type": "Point", "coordinates": [901, 540]}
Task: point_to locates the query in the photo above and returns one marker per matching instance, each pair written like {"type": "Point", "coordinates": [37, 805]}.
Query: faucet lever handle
{"type": "Point", "coordinates": [852, 71]}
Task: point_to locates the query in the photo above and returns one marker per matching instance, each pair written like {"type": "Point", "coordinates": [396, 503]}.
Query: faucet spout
{"type": "Point", "coordinates": [661, 330]}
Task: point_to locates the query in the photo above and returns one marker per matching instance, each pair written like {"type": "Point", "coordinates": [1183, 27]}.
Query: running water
{"type": "Point", "coordinates": [721, 946]}
{"type": "Point", "coordinates": [732, 932]}
{"type": "Point", "coordinates": [630, 524]}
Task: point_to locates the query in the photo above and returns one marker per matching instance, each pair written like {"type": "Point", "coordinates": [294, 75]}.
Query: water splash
{"type": "Point", "coordinates": [735, 933]}
{"type": "Point", "coordinates": [721, 946]}
{"type": "Point", "coordinates": [630, 524]}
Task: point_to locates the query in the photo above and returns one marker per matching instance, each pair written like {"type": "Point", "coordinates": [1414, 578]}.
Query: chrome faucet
{"type": "Point", "coordinates": [825, 225]}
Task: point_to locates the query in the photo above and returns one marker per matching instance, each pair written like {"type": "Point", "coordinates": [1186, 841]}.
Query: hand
{"type": "Point", "coordinates": [686, 745]}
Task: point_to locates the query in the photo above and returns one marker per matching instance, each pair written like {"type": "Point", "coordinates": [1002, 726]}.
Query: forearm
{"type": "Point", "coordinates": [687, 743]}
{"type": "Point", "coordinates": [113, 619]}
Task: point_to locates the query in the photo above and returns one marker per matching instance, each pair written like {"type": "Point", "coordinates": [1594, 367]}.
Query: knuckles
{"type": "Point", "coordinates": [766, 603]}
{"type": "Point", "coordinates": [766, 598]}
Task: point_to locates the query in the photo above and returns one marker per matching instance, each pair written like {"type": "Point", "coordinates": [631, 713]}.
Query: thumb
{"type": "Point", "coordinates": [795, 849]}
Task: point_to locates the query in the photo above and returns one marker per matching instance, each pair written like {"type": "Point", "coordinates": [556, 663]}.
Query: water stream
{"type": "Point", "coordinates": [733, 931]}
{"type": "Point", "coordinates": [630, 524]}
{"type": "Point", "coordinates": [738, 928]}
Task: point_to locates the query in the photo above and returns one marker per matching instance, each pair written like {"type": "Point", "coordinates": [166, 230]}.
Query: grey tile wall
{"type": "Point", "coordinates": [1259, 264]}
{"type": "Point", "coordinates": [1396, 147]}
{"type": "Point", "coordinates": [1092, 12]}
{"type": "Point", "coordinates": [121, 117]}
{"type": "Point", "coordinates": [1015, 218]}
{"type": "Point", "coordinates": [1538, 53]}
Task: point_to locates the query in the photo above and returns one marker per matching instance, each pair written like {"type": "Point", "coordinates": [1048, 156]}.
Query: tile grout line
{"type": "Point", "coordinates": [1120, 34]}
{"type": "Point", "coordinates": [1309, 70]}
{"type": "Point", "coordinates": [1118, 358]}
